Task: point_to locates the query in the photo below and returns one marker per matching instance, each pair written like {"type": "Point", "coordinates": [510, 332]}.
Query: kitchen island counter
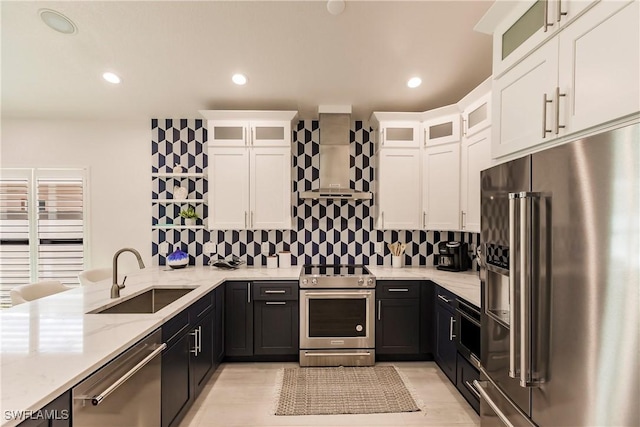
{"type": "Point", "coordinates": [49, 345]}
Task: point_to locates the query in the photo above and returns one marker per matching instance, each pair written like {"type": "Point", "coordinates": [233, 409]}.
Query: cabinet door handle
{"type": "Point", "coordinates": [382, 136]}
{"type": "Point", "coordinates": [194, 334]}
{"type": "Point", "coordinates": [245, 219]}
{"type": "Point", "coordinates": [560, 13]}
{"type": "Point", "coordinates": [277, 291]}
{"type": "Point", "coordinates": [444, 299]}
{"type": "Point", "coordinates": [276, 303]}
{"type": "Point", "coordinates": [199, 339]}
{"type": "Point", "coordinates": [463, 217]}
{"type": "Point", "coordinates": [382, 214]}
{"type": "Point", "coordinates": [464, 127]}
{"type": "Point", "coordinates": [398, 290]}
{"type": "Point", "coordinates": [252, 135]}
{"type": "Point", "coordinates": [379, 309]}
{"type": "Point", "coordinates": [251, 219]}
{"type": "Point", "coordinates": [249, 293]}
{"type": "Point", "coordinates": [452, 321]}
{"type": "Point", "coordinates": [545, 101]}
{"type": "Point", "coordinates": [546, 16]}
{"type": "Point", "coordinates": [424, 220]}
{"type": "Point", "coordinates": [558, 96]}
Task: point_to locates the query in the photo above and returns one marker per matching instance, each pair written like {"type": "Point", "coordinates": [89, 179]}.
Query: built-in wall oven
{"type": "Point", "coordinates": [337, 309]}
{"type": "Point", "coordinates": [468, 320]}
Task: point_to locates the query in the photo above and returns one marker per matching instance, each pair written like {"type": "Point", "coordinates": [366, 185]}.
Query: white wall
{"type": "Point", "coordinates": [118, 156]}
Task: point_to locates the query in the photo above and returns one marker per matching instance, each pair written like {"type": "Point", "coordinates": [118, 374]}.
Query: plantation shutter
{"type": "Point", "coordinates": [42, 227]}
{"type": "Point", "coordinates": [15, 254]}
{"type": "Point", "coordinates": [60, 227]}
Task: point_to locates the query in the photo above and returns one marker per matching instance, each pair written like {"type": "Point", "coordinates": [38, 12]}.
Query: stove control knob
{"type": "Point", "coordinates": [305, 281]}
{"type": "Point", "coordinates": [361, 282]}
{"type": "Point", "coordinates": [314, 281]}
{"type": "Point", "coordinates": [370, 281]}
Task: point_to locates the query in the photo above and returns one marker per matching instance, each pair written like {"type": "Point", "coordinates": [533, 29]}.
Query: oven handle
{"type": "Point", "coordinates": [467, 317]}
{"type": "Point", "coordinates": [364, 353]}
{"type": "Point", "coordinates": [339, 294]}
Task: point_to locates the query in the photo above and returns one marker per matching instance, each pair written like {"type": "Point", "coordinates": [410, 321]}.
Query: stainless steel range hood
{"type": "Point", "coordinates": [335, 129]}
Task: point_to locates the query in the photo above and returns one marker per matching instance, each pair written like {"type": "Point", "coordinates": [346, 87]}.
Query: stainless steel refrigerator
{"type": "Point", "coordinates": [560, 285]}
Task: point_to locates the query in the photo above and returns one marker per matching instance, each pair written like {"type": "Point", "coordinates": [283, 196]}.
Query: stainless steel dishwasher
{"type": "Point", "coordinates": [125, 392]}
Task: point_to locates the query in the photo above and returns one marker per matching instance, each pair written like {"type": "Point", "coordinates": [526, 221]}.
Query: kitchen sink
{"type": "Point", "coordinates": [147, 302]}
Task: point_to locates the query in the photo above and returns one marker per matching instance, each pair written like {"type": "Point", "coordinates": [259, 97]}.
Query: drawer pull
{"type": "Point", "coordinates": [280, 291]}
{"type": "Point", "coordinates": [444, 299]}
{"type": "Point", "coordinates": [472, 389]}
{"type": "Point", "coordinates": [276, 303]}
{"type": "Point", "coordinates": [398, 290]}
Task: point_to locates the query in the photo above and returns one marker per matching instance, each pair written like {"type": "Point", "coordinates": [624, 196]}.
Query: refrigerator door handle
{"type": "Point", "coordinates": [513, 301]}
{"type": "Point", "coordinates": [484, 396]}
{"type": "Point", "coordinates": [528, 229]}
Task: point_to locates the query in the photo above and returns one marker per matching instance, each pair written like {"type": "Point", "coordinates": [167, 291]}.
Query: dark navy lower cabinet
{"type": "Point", "coordinates": [261, 321]}
{"type": "Point", "coordinates": [238, 319]}
{"type": "Point", "coordinates": [445, 349]}
{"type": "Point", "coordinates": [466, 374]}
{"type": "Point", "coordinates": [55, 414]}
{"type": "Point", "coordinates": [276, 328]}
{"type": "Point", "coordinates": [189, 359]}
{"type": "Point", "coordinates": [401, 324]}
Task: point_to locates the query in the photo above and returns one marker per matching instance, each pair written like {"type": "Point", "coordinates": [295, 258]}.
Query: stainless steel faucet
{"type": "Point", "coordinates": [115, 288]}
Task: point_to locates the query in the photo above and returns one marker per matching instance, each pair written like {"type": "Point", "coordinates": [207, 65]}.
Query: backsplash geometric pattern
{"type": "Point", "coordinates": [324, 231]}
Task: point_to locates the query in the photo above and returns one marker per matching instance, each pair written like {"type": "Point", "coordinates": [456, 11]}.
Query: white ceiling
{"type": "Point", "coordinates": [177, 57]}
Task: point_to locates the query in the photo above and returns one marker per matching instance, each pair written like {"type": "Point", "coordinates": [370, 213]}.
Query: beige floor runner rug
{"type": "Point", "coordinates": [343, 390]}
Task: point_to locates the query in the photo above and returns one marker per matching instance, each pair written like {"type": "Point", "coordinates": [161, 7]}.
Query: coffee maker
{"type": "Point", "coordinates": [452, 256]}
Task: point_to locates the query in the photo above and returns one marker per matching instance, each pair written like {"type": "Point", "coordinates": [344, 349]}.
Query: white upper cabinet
{"type": "Point", "coordinates": [228, 188]}
{"type": "Point", "coordinates": [477, 116]}
{"type": "Point", "coordinates": [270, 188]}
{"type": "Point", "coordinates": [599, 66]}
{"type": "Point", "coordinates": [442, 130]}
{"type": "Point", "coordinates": [441, 187]}
{"type": "Point", "coordinates": [249, 188]}
{"type": "Point", "coordinates": [229, 128]}
{"type": "Point", "coordinates": [475, 156]}
{"type": "Point", "coordinates": [583, 76]}
{"type": "Point", "coordinates": [396, 130]}
{"type": "Point", "coordinates": [398, 201]}
{"type": "Point", "coordinates": [249, 169]}
{"type": "Point", "coordinates": [523, 102]}
{"type": "Point", "coordinates": [524, 25]}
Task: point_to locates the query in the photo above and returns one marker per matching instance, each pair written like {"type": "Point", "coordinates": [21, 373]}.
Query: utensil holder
{"type": "Point", "coordinates": [396, 261]}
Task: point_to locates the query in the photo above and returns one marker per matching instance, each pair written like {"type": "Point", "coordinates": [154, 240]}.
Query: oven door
{"type": "Point", "coordinates": [337, 318]}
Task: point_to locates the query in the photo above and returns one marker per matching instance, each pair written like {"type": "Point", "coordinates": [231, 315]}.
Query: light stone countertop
{"type": "Point", "coordinates": [49, 345]}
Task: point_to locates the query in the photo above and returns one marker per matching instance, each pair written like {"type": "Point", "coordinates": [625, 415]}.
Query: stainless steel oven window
{"type": "Point", "coordinates": [333, 317]}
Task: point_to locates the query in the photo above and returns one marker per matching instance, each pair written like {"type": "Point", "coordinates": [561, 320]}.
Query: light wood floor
{"type": "Point", "coordinates": [242, 394]}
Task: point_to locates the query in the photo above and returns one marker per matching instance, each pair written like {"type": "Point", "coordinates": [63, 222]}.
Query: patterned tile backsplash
{"type": "Point", "coordinates": [323, 231]}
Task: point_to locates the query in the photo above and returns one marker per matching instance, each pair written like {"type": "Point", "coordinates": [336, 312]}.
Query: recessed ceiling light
{"type": "Point", "coordinates": [335, 7]}
{"type": "Point", "coordinates": [414, 82]}
{"type": "Point", "coordinates": [239, 79]}
{"type": "Point", "coordinates": [57, 21]}
{"type": "Point", "coordinates": [111, 78]}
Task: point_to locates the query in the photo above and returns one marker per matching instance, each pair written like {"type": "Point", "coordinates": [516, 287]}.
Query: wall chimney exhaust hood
{"type": "Point", "coordinates": [335, 129]}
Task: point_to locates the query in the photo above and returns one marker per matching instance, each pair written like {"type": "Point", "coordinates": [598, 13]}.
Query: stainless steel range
{"type": "Point", "coordinates": [337, 310]}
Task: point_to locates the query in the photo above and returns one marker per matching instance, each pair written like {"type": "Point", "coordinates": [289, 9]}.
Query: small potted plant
{"type": "Point", "coordinates": [190, 215]}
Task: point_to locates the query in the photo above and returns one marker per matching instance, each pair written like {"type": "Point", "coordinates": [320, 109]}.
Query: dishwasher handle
{"type": "Point", "coordinates": [96, 400]}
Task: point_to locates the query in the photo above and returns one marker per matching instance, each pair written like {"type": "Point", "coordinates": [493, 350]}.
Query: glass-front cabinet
{"type": "Point", "coordinates": [528, 25]}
